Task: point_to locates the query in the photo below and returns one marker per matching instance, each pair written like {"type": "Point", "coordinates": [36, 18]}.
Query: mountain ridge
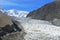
{"type": "Point", "coordinates": [47, 12]}
{"type": "Point", "coordinates": [17, 13]}
{"type": "Point", "coordinates": [14, 12]}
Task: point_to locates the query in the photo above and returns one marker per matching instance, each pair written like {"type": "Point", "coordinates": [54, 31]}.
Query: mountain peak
{"type": "Point", "coordinates": [17, 13]}
{"type": "Point", "coordinates": [2, 10]}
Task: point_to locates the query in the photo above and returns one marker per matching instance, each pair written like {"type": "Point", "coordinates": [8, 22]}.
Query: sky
{"type": "Point", "coordinates": [25, 5]}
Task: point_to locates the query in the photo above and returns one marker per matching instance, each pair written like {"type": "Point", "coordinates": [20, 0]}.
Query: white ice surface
{"type": "Point", "coordinates": [40, 30]}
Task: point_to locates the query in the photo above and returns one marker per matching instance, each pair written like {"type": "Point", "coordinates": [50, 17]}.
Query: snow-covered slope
{"type": "Point", "coordinates": [2, 10]}
{"type": "Point", "coordinates": [17, 13]}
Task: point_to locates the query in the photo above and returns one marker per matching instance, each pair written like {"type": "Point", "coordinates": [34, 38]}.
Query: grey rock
{"type": "Point", "coordinates": [13, 36]}
{"type": "Point", "coordinates": [5, 24]}
{"type": "Point", "coordinates": [56, 22]}
{"type": "Point", "coordinates": [18, 35]}
{"type": "Point", "coordinates": [10, 26]}
{"type": "Point", "coordinates": [5, 20]}
{"type": "Point", "coordinates": [47, 12]}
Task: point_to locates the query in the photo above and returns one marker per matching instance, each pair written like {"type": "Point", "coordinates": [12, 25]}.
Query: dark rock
{"type": "Point", "coordinates": [56, 22]}
{"type": "Point", "coordinates": [16, 26]}
{"type": "Point", "coordinates": [5, 24]}
{"type": "Point", "coordinates": [14, 36]}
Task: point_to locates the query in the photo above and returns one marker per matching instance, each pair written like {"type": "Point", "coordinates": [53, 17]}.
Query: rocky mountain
{"type": "Point", "coordinates": [10, 27]}
{"type": "Point", "coordinates": [47, 12]}
{"type": "Point", "coordinates": [13, 12]}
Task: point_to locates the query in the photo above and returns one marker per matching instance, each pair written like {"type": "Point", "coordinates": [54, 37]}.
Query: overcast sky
{"type": "Point", "coordinates": [25, 5]}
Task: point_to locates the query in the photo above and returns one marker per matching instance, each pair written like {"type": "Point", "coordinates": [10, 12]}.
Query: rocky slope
{"type": "Point", "coordinates": [47, 12]}
{"type": "Point", "coordinates": [4, 20]}
{"type": "Point", "coordinates": [9, 27]}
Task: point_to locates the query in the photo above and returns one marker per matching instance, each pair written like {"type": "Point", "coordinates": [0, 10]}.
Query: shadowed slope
{"type": "Point", "coordinates": [8, 26]}
{"type": "Point", "coordinates": [47, 12]}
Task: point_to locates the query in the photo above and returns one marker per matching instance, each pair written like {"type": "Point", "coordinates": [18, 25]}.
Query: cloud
{"type": "Point", "coordinates": [8, 3]}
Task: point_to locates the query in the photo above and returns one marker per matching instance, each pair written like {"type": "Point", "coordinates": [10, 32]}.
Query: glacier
{"type": "Point", "coordinates": [36, 29]}
{"type": "Point", "coordinates": [39, 29]}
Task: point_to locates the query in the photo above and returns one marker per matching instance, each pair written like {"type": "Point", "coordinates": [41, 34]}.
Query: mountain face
{"type": "Point", "coordinates": [9, 26]}
{"type": "Point", "coordinates": [17, 13]}
{"type": "Point", "coordinates": [5, 20]}
{"type": "Point", "coordinates": [47, 12]}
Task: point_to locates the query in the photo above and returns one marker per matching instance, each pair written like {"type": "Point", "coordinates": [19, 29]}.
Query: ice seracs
{"type": "Point", "coordinates": [40, 30]}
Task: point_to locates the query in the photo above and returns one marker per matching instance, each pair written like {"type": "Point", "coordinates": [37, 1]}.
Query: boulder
{"type": "Point", "coordinates": [5, 24]}
{"type": "Point", "coordinates": [5, 20]}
